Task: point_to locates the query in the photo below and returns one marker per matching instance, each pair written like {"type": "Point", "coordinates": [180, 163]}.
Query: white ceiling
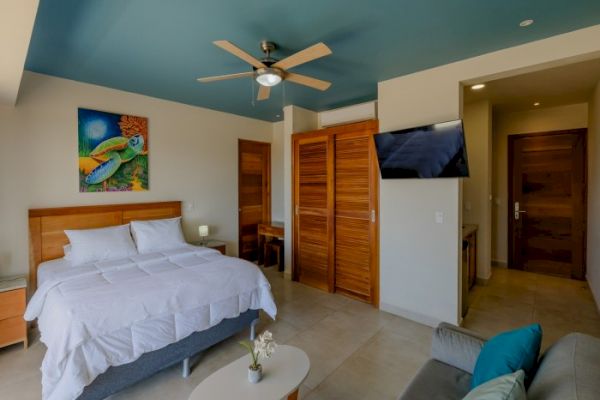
{"type": "Point", "coordinates": [567, 84]}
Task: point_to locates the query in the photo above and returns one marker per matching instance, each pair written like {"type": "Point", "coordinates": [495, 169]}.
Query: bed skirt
{"type": "Point", "coordinates": [118, 378]}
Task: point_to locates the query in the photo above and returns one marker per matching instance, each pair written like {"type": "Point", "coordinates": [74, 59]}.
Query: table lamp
{"type": "Point", "coordinates": [203, 232]}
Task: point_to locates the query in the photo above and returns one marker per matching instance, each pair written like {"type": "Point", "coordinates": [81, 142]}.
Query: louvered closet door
{"type": "Point", "coordinates": [313, 214]}
{"type": "Point", "coordinates": [356, 188]}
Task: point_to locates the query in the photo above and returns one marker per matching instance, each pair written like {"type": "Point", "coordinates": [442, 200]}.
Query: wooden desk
{"type": "Point", "coordinates": [469, 263]}
{"type": "Point", "coordinates": [469, 233]}
{"type": "Point", "coordinates": [267, 232]}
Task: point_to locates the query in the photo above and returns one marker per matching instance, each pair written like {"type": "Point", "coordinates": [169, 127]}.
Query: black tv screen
{"type": "Point", "coordinates": [431, 151]}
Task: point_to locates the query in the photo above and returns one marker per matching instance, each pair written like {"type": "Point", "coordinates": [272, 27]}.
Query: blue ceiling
{"type": "Point", "coordinates": [158, 48]}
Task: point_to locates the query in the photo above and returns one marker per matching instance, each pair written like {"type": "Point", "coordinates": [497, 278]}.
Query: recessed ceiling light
{"type": "Point", "coordinates": [537, 103]}
{"type": "Point", "coordinates": [525, 23]}
{"type": "Point", "coordinates": [479, 86]}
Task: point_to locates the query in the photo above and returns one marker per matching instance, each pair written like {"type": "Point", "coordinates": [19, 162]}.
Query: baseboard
{"type": "Point", "coordinates": [499, 263]}
{"type": "Point", "coordinates": [287, 275]}
{"type": "Point", "coordinates": [413, 316]}
{"type": "Point", "coordinates": [594, 295]}
{"type": "Point", "coordinates": [482, 281]}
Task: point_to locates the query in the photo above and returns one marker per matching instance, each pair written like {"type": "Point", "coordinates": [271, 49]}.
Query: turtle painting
{"type": "Point", "coordinates": [113, 153]}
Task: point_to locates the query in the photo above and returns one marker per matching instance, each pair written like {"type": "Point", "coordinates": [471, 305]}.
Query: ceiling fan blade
{"type": "Point", "coordinates": [303, 56]}
{"type": "Point", "coordinates": [223, 77]}
{"type": "Point", "coordinates": [236, 51]}
{"type": "Point", "coordinates": [307, 81]}
{"type": "Point", "coordinates": [263, 92]}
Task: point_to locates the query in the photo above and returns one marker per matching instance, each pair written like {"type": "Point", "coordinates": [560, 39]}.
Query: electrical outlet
{"type": "Point", "coordinates": [439, 217]}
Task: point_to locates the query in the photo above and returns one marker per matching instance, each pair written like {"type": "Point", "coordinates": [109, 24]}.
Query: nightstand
{"type": "Point", "coordinates": [213, 244]}
{"type": "Point", "coordinates": [13, 295]}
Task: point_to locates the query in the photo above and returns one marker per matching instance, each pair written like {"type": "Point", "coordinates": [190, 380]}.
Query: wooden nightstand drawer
{"type": "Point", "coordinates": [12, 303]}
{"type": "Point", "coordinates": [213, 244]}
{"type": "Point", "coordinates": [13, 330]}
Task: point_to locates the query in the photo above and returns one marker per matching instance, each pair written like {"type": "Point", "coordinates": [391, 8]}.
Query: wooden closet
{"type": "Point", "coordinates": [336, 197]}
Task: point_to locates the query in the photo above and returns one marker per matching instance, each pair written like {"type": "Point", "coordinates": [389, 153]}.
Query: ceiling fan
{"type": "Point", "coordinates": [269, 72]}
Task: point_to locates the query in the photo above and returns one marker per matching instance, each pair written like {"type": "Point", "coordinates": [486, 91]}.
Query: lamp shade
{"type": "Point", "coordinates": [203, 230]}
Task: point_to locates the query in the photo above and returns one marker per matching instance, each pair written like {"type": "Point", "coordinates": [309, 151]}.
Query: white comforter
{"type": "Point", "coordinates": [110, 313]}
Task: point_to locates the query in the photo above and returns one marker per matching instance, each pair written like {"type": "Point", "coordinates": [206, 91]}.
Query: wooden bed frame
{"type": "Point", "coordinates": [47, 226]}
{"type": "Point", "coordinates": [46, 241]}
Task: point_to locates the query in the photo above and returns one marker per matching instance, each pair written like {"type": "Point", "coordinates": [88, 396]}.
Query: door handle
{"type": "Point", "coordinates": [518, 210]}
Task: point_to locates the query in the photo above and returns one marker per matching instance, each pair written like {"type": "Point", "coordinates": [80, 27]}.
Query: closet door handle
{"type": "Point", "coordinates": [373, 216]}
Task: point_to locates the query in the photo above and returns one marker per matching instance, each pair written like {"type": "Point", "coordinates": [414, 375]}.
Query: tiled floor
{"type": "Point", "coordinates": [356, 351]}
{"type": "Point", "coordinates": [514, 298]}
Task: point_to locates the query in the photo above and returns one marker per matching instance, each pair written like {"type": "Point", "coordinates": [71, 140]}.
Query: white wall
{"type": "Point", "coordinates": [593, 217]}
{"type": "Point", "coordinates": [193, 157]}
{"type": "Point", "coordinates": [277, 213]}
{"type": "Point", "coordinates": [477, 189]}
{"type": "Point", "coordinates": [570, 116]}
{"type": "Point", "coordinates": [16, 25]}
{"type": "Point", "coordinates": [420, 274]}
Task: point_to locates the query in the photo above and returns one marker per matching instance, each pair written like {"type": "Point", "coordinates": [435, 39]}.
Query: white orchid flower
{"type": "Point", "coordinates": [263, 347]}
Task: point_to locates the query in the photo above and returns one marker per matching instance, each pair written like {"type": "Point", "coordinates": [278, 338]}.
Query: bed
{"type": "Point", "coordinates": [110, 324]}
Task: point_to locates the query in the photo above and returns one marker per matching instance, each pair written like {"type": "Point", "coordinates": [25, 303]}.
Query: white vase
{"type": "Point", "coordinates": [255, 375]}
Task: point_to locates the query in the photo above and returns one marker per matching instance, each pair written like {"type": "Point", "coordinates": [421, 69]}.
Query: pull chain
{"type": "Point", "coordinates": [252, 99]}
{"type": "Point", "coordinates": [282, 95]}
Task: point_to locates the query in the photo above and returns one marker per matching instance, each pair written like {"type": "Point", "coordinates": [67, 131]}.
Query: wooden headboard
{"type": "Point", "coordinates": [47, 226]}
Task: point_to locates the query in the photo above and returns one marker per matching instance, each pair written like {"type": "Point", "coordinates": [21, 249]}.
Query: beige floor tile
{"type": "Point", "coordinates": [515, 298]}
{"type": "Point", "coordinates": [356, 351]}
{"type": "Point", "coordinates": [303, 313]}
{"type": "Point", "coordinates": [16, 362]}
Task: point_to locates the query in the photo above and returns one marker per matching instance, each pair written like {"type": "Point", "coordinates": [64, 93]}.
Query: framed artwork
{"type": "Point", "coordinates": [113, 152]}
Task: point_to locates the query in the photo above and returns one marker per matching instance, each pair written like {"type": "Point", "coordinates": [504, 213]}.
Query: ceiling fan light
{"type": "Point", "coordinates": [268, 76]}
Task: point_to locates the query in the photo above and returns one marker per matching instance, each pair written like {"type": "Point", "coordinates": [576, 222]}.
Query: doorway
{"type": "Point", "coordinates": [254, 194]}
{"type": "Point", "coordinates": [547, 193]}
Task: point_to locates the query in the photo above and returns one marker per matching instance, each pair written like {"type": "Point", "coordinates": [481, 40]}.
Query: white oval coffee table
{"type": "Point", "coordinates": [283, 374]}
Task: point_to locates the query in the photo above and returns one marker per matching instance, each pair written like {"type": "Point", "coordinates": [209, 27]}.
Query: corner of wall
{"type": "Point", "coordinates": [593, 217]}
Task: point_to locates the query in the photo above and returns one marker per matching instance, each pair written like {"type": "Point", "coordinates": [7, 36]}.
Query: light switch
{"type": "Point", "coordinates": [439, 217]}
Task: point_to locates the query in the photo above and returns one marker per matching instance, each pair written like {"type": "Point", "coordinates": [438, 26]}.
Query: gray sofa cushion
{"type": "Point", "coordinates": [456, 346]}
{"type": "Point", "coordinates": [569, 370]}
{"type": "Point", "coordinates": [437, 381]}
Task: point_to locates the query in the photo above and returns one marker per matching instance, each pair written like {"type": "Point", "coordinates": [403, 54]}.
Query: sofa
{"type": "Point", "coordinates": [568, 370]}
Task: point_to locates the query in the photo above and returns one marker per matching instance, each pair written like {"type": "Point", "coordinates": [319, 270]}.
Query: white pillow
{"type": "Point", "coordinates": [158, 234]}
{"type": "Point", "coordinates": [90, 245]}
{"type": "Point", "coordinates": [67, 250]}
{"type": "Point", "coordinates": [505, 387]}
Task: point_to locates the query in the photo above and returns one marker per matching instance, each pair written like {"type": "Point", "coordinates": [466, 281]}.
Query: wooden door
{"type": "Point", "coordinates": [313, 211]}
{"type": "Point", "coordinates": [356, 212]}
{"type": "Point", "coordinates": [547, 202]}
{"type": "Point", "coordinates": [254, 194]}
{"type": "Point", "coordinates": [336, 189]}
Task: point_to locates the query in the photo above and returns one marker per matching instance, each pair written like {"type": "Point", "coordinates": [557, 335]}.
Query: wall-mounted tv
{"type": "Point", "coordinates": [431, 151]}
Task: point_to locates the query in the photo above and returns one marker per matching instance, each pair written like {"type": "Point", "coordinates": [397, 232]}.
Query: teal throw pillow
{"type": "Point", "coordinates": [508, 352]}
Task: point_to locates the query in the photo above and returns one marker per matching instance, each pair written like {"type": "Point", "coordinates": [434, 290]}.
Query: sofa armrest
{"type": "Point", "coordinates": [456, 346]}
